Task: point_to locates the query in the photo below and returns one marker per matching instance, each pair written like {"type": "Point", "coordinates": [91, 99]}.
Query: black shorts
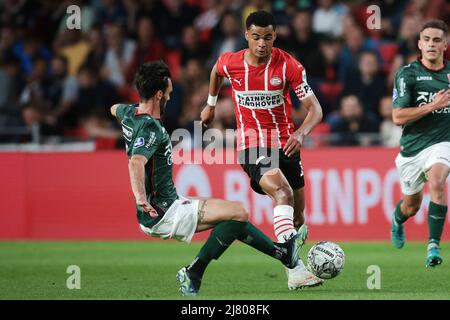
{"type": "Point", "coordinates": [257, 161]}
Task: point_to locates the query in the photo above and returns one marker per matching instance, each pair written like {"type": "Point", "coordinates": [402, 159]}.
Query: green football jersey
{"type": "Point", "coordinates": [415, 86]}
{"type": "Point", "coordinates": [146, 136]}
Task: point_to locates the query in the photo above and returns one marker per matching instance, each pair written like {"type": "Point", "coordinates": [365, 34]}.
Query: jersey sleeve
{"type": "Point", "coordinates": [296, 77]}
{"type": "Point", "coordinates": [221, 63]}
{"type": "Point", "coordinates": [120, 111]}
{"type": "Point", "coordinates": [148, 138]}
{"type": "Point", "coordinates": [403, 88]}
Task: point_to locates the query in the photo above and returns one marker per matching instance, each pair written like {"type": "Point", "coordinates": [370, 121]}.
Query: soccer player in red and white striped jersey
{"type": "Point", "coordinates": [268, 143]}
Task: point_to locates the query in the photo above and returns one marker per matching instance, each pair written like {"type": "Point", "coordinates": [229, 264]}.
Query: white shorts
{"type": "Point", "coordinates": [413, 170]}
{"type": "Point", "coordinates": [179, 222]}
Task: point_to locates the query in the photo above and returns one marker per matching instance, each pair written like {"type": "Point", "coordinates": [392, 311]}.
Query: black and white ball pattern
{"type": "Point", "coordinates": [326, 259]}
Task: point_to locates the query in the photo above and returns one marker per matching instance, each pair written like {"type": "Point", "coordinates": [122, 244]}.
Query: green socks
{"type": "Point", "coordinates": [399, 217]}
{"type": "Point", "coordinates": [436, 221]}
{"type": "Point", "coordinates": [257, 239]}
{"type": "Point", "coordinates": [226, 232]}
{"type": "Point", "coordinates": [221, 237]}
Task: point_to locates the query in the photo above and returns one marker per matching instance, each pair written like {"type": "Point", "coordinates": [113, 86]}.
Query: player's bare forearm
{"type": "Point", "coordinates": [136, 167]}
{"type": "Point", "coordinates": [314, 116]}
{"type": "Point", "coordinates": [403, 116]}
{"type": "Point", "coordinates": [407, 115]}
{"type": "Point", "coordinates": [215, 82]}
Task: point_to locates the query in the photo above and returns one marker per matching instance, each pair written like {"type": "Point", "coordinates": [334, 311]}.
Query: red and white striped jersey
{"type": "Point", "coordinates": [262, 103]}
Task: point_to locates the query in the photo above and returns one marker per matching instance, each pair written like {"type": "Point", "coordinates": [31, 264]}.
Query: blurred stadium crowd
{"type": "Point", "coordinates": [62, 82]}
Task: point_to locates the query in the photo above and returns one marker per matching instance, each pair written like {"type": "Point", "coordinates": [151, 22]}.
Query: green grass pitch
{"type": "Point", "coordinates": [146, 270]}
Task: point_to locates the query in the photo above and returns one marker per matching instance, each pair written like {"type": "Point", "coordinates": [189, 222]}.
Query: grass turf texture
{"type": "Point", "coordinates": [146, 270]}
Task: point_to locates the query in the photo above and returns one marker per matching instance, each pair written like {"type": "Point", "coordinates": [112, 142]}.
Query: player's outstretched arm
{"type": "Point", "coordinates": [402, 116]}
{"type": "Point", "coordinates": [312, 119]}
{"type": "Point", "coordinates": [136, 167]}
{"type": "Point", "coordinates": [215, 82]}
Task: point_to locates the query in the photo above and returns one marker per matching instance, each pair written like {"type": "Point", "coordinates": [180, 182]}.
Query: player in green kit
{"type": "Point", "coordinates": [422, 106]}
{"type": "Point", "coordinates": [161, 212]}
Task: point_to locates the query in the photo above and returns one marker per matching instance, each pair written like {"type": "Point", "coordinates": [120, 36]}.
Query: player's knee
{"type": "Point", "coordinates": [283, 194]}
{"type": "Point", "coordinates": [437, 185]}
{"type": "Point", "coordinates": [239, 212]}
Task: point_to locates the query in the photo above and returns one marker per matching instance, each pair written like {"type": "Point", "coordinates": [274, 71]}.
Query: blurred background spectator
{"type": "Point", "coordinates": [191, 47]}
{"type": "Point", "coordinates": [390, 133]}
{"type": "Point", "coordinates": [303, 42]}
{"type": "Point", "coordinates": [229, 39]}
{"type": "Point", "coordinates": [328, 17]}
{"type": "Point", "coordinates": [367, 82]}
{"type": "Point", "coordinates": [351, 123]}
{"type": "Point", "coordinates": [10, 84]}
{"type": "Point", "coordinates": [118, 55]}
{"type": "Point", "coordinates": [149, 46]}
{"type": "Point", "coordinates": [60, 82]}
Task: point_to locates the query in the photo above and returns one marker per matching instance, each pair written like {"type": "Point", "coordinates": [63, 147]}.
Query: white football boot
{"type": "Point", "coordinates": [299, 277]}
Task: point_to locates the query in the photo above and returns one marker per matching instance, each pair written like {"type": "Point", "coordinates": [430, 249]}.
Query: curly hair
{"type": "Point", "coordinates": [150, 78]}
{"type": "Point", "coordinates": [260, 19]}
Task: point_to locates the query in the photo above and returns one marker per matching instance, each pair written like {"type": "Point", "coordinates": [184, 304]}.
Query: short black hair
{"type": "Point", "coordinates": [150, 78]}
{"type": "Point", "coordinates": [435, 24]}
{"type": "Point", "coordinates": [260, 19]}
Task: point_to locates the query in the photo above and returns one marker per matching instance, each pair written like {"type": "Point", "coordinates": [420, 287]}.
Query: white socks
{"type": "Point", "coordinates": [283, 222]}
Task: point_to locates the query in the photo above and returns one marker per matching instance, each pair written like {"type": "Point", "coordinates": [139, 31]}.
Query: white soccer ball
{"type": "Point", "coordinates": [326, 259]}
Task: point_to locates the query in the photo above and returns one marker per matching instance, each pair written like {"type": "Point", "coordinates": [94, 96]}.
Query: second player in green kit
{"type": "Point", "coordinates": [421, 101]}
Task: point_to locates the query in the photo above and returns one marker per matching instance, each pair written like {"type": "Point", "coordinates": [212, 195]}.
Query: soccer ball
{"type": "Point", "coordinates": [326, 259]}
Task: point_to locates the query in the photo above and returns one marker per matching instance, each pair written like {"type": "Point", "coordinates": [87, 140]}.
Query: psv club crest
{"type": "Point", "coordinates": [275, 81]}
